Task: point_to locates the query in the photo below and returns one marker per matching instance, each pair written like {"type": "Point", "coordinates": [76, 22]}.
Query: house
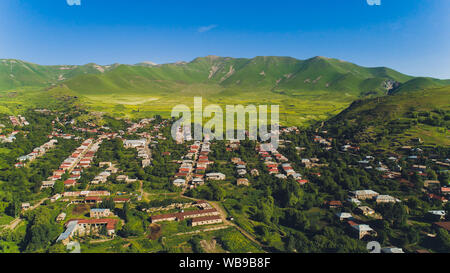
{"type": "Point", "coordinates": [445, 191]}
{"type": "Point", "coordinates": [146, 163]}
{"type": "Point", "coordinates": [165, 217]}
{"type": "Point", "coordinates": [93, 200]}
{"type": "Point", "coordinates": [121, 200]}
{"type": "Point", "coordinates": [365, 210]}
{"type": "Point", "coordinates": [55, 197]}
{"type": "Point", "coordinates": [254, 172]}
{"type": "Point", "coordinates": [437, 197]}
{"type": "Point", "coordinates": [281, 176]}
{"type": "Point", "coordinates": [103, 164]}
{"type": "Point", "coordinates": [444, 225]}
{"type": "Point", "coordinates": [75, 176]}
{"type": "Point", "coordinates": [419, 167]}
{"type": "Point", "coordinates": [95, 193]}
{"type": "Point", "coordinates": [392, 250]}
{"type": "Point", "coordinates": [47, 184]}
{"type": "Point", "coordinates": [61, 217]}
{"type": "Point", "coordinates": [215, 176]}
{"type": "Point", "coordinates": [184, 215]}
{"type": "Point", "coordinates": [199, 213]}
{"type": "Point", "coordinates": [26, 206]}
{"type": "Point", "coordinates": [198, 181]}
{"type": "Point", "coordinates": [386, 199]}
{"type": "Point", "coordinates": [70, 183]}
{"type": "Point", "coordinates": [235, 160]}
{"type": "Point", "coordinates": [302, 181]}
{"type": "Point", "coordinates": [431, 183]}
{"type": "Point", "coordinates": [333, 204]}
{"type": "Point", "coordinates": [121, 178]}
{"type": "Point", "coordinates": [438, 214]}
{"type": "Point", "coordinates": [344, 216]}
{"type": "Point", "coordinates": [87, 226]}
{"type": "Point", "coordinates": [99, 213]}
{"type": "Point", "coordinates": [206, 220]}
{"type": "Point", "coordinates": [179, 182]}
{"type": "Point", "coordinates": [241, 172]}
{"type": "Point", "coordinates": [363, 230]}
{"type": "Point", "coordinates": [134, 143]}
{"type": "Point", "coordinates": [243, 182]}
{"type": "Point", "coordinates": [68, 233]}
{"type": "Point", "coordinates": [364, 194]}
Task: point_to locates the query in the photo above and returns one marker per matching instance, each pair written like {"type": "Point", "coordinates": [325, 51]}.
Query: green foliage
{"type": "Point", "coordinates": [444, 239]}
{"type": "Point", "coordinates": [234, 242]}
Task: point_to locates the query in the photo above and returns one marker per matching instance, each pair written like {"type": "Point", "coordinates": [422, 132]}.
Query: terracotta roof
{"type": "Point", "coordinates": [70, 181]}
{"type": "Point", "coordinates": [194, 212]}
{"type": "Point", "coordinates": [93, 198]}
{"type": "Point", "coordinates": [121, 199]}
{"type": "Point", "coordinates": [181, 215]}
{"type": "Point", "coordinates": [444, 225]}
{"type": "Point", "coordinates": [110, 223]}
{"type": "Point", "coordinates": [335, 203]}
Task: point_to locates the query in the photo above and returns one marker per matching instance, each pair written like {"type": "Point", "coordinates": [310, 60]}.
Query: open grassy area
{"type": "Point", "coordinates": [227, 240]}
{"type": "Point", "coordinates": [5, 219]}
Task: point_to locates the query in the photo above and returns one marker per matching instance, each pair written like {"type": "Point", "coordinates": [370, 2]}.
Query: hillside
{"type": "Point", "coordinates": [419, 83]}
{"type": "Point", "coordinates": [270, 73]}
{"type": "Point", "coordinates": [16, 74]}
{"type": "Point", "coordinates": [401, 117]}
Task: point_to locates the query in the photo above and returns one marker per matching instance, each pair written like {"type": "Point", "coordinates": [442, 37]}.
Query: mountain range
{"type": "Point", "coordinates": [278, 73]}
{"type": "Point", "coordinates": [307, 90]}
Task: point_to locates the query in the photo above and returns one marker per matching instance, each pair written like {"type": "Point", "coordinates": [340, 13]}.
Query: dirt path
{"type": "Point", "coordinates": [14, 223]}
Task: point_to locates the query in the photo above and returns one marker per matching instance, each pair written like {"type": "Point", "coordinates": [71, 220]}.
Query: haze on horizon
{"type": "Point", "coordinates": [412, 37]}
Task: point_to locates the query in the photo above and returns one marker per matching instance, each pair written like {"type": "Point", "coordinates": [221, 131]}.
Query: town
{"type": "Point", "coordinates": [124, 185]}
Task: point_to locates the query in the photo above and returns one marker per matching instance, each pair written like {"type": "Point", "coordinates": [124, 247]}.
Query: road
{"type": "Point", "coordinates": [14, 223]}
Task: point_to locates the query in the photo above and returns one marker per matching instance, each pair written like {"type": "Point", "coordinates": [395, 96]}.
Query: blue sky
{"type": "Point", "coordinates": [408, 35]}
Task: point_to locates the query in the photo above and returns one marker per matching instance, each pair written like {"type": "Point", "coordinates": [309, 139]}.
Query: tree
{"type": "Point", "coordinates": [57, 248]}
{"type": "Point", "coordinates": [108, 203]}
{"type": "Point", "coordinates": [444, 238]}
{"type": "Point", "coordinates": [13, 209]}
{"type": "Point", "coordinates": [417, 180]}
{"type": "Point", "coordinates": [58, 187]}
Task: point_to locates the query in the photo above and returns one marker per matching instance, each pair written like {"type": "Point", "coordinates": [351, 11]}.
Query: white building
{"type": "Point", "coordinates": [179, 182]}
{"type": "Point", "coordinates": [215, 176]}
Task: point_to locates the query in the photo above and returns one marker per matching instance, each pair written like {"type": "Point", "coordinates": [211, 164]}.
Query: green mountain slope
{"type": "Point", "coordinates": [404, 115]}
{"type": "Point", "coordinates": [280, 74]}
{"type": "Point", "coordinates": [16, 73]}
{"type": "Point", "coordinates": [269, 73]}
{"type": "Point", "coordinates": [419, 83]}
